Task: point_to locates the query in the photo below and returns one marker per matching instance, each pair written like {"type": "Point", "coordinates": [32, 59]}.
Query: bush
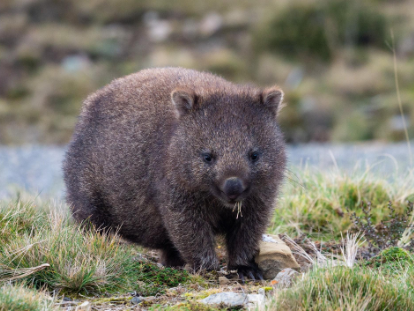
{"type": "Point", "coordinates": [306, 29]}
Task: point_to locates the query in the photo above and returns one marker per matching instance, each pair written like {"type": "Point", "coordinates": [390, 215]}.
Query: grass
{"type": "Point", "coordinates": [392, 259]}
{"type": "Point", "coordinates": [316, 203]}
{"type": "Point", "coordinates": [80, 262]}
{"type": "Point", "coordinates": [342, 288]}
{"type": "Point", "coordinates": [19, 298]}
{"type": "Point", "coordinates": [42, 251]}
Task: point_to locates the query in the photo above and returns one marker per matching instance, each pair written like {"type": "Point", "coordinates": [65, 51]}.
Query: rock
{"type": "Point", "coordinates": [228, 298]}
{"type": "Point", "coordinates": [285, 278]}
{"type": "Point", "coordinates": [136, 300]}
{"type": "Point", "coordinates": [223, 280]}
{"type": "Point", "coordinates": [274, 256]}
{"type": "Point", "coordinates": [255, 298]}
{"type": "Point", "coordinates": [234, 299]}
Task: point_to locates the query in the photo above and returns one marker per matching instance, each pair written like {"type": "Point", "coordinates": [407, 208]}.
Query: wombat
{"type": "Point", "coordinates": [171, 157]}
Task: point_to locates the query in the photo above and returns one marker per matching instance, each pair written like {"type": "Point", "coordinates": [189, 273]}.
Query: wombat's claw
{"type": "Point", "coordinates": [241, 277]}
{"type": "Point", "coordinates": [251, 276]}
{"type": "Point", "coordinates": [252, 273]}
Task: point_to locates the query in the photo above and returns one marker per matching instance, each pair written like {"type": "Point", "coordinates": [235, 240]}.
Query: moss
{"type": "Point", "coordinates": [157, 279]}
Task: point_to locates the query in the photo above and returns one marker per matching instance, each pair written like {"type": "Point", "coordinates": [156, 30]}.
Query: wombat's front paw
{"type": "Point", "coordinates": [252, 271]}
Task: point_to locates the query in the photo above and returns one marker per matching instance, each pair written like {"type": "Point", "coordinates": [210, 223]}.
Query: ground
{"type": "Point", "coordinates": [47, 262]}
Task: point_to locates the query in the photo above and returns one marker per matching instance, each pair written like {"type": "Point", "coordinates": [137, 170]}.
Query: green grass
{"type": "Point", "coordinates": [342, 288]}
{"type": "Point", "coordinates": [81, 261]}
{"type": "Point", "coordinates": [316, 203]}
{"type": "Point", "coordinates": [19, 298]}
{"type": "Point", "coordinates": [392, 259]}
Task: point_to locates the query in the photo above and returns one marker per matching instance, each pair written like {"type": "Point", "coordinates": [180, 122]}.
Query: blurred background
{"type": "Point", "coordinates": [334, 59]}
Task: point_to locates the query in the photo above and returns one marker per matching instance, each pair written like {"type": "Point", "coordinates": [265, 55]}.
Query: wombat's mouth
{"type": "Point", "coordinates": [230, 202]}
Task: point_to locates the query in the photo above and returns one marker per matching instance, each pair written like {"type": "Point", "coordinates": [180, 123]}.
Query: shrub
{"type": "Point", "coordinates": [306, 29]}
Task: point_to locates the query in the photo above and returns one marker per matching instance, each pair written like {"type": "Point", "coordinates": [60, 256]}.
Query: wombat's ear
{"type": "Point", "coordinates": [272, 98]}
{"type": "Point", "coordinates": [183, 99]}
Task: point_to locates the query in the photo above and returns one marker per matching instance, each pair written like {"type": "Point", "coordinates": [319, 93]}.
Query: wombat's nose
{"type": "Point", "coordinates": [233, 187]}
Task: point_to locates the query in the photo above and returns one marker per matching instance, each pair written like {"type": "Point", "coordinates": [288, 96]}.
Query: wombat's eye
{"type": "Point", "coordinates": [207, 157]}
{"type": "Point", "coordinates": [254, 156]}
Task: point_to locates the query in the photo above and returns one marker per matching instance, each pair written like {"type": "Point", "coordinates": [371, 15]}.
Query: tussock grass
{"type": "Point", "coordinates": [19, 298]}
{"type": "Point", "coordinates": [18, 218]}
{"type": "Point", "coordinates": [316, 203]}
{"type": "Point", "coordinates": [72, 260]}
{"type": "Point", "coordinates": [342, 288]}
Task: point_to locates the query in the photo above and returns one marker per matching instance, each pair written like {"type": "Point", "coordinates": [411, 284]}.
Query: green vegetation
{"type": "Point", "coordinates": [342, 288]}
{"type": "Point", "coordinates": [316, 203]}
{"type": "Point", "coordinates": [392, 259]}
{"type": "Point", "coordinates": [42, 252]}
{"type": "Point", "coordinates": [157, 279]}
{"type": "Point", "coordinates": [19, 298]}
{"type": "Point", "coordinates": [81, 261]}
{"type": "Point", "coordinates": [318, 30]}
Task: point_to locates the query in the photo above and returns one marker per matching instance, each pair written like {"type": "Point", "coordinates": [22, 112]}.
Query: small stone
{"type": "Point", "coordinates": [136, 300]}
{"type": "Point", "coordinates": [223, 280]}
{"type": "Point", "coordinates": [228, 298]}
{"type": "Point", "coordinates": [285, 278]}
{"type": "Point", "coordinates": [274, 256]}
{"type": "Point", "coordinates": [255, 298]}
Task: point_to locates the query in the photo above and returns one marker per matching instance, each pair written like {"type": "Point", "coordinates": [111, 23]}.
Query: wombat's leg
{"type": "Point", "coordinates": [192, 235]}
{"type": "Point", "coordinates": [170, 257]}
{"type": "Point", "coordinates": [243, 244]}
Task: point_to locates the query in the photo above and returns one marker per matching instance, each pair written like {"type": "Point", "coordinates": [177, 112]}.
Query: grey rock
{"type": "Point", "coordinates": [227, 298]}
{"type": "Point", "coordinates": [286, 277]}
{"type": "Point", "coordinates": [234, 299]}
{"type": "Point", "coordinates": [136, 300]}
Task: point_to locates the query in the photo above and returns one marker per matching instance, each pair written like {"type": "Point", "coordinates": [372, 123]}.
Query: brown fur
{"type": "Point", "coordinates": [139, 161]}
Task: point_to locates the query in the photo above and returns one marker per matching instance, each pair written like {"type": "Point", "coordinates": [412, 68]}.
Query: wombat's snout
{"type": "Point", "coordinates": [233, 188]}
